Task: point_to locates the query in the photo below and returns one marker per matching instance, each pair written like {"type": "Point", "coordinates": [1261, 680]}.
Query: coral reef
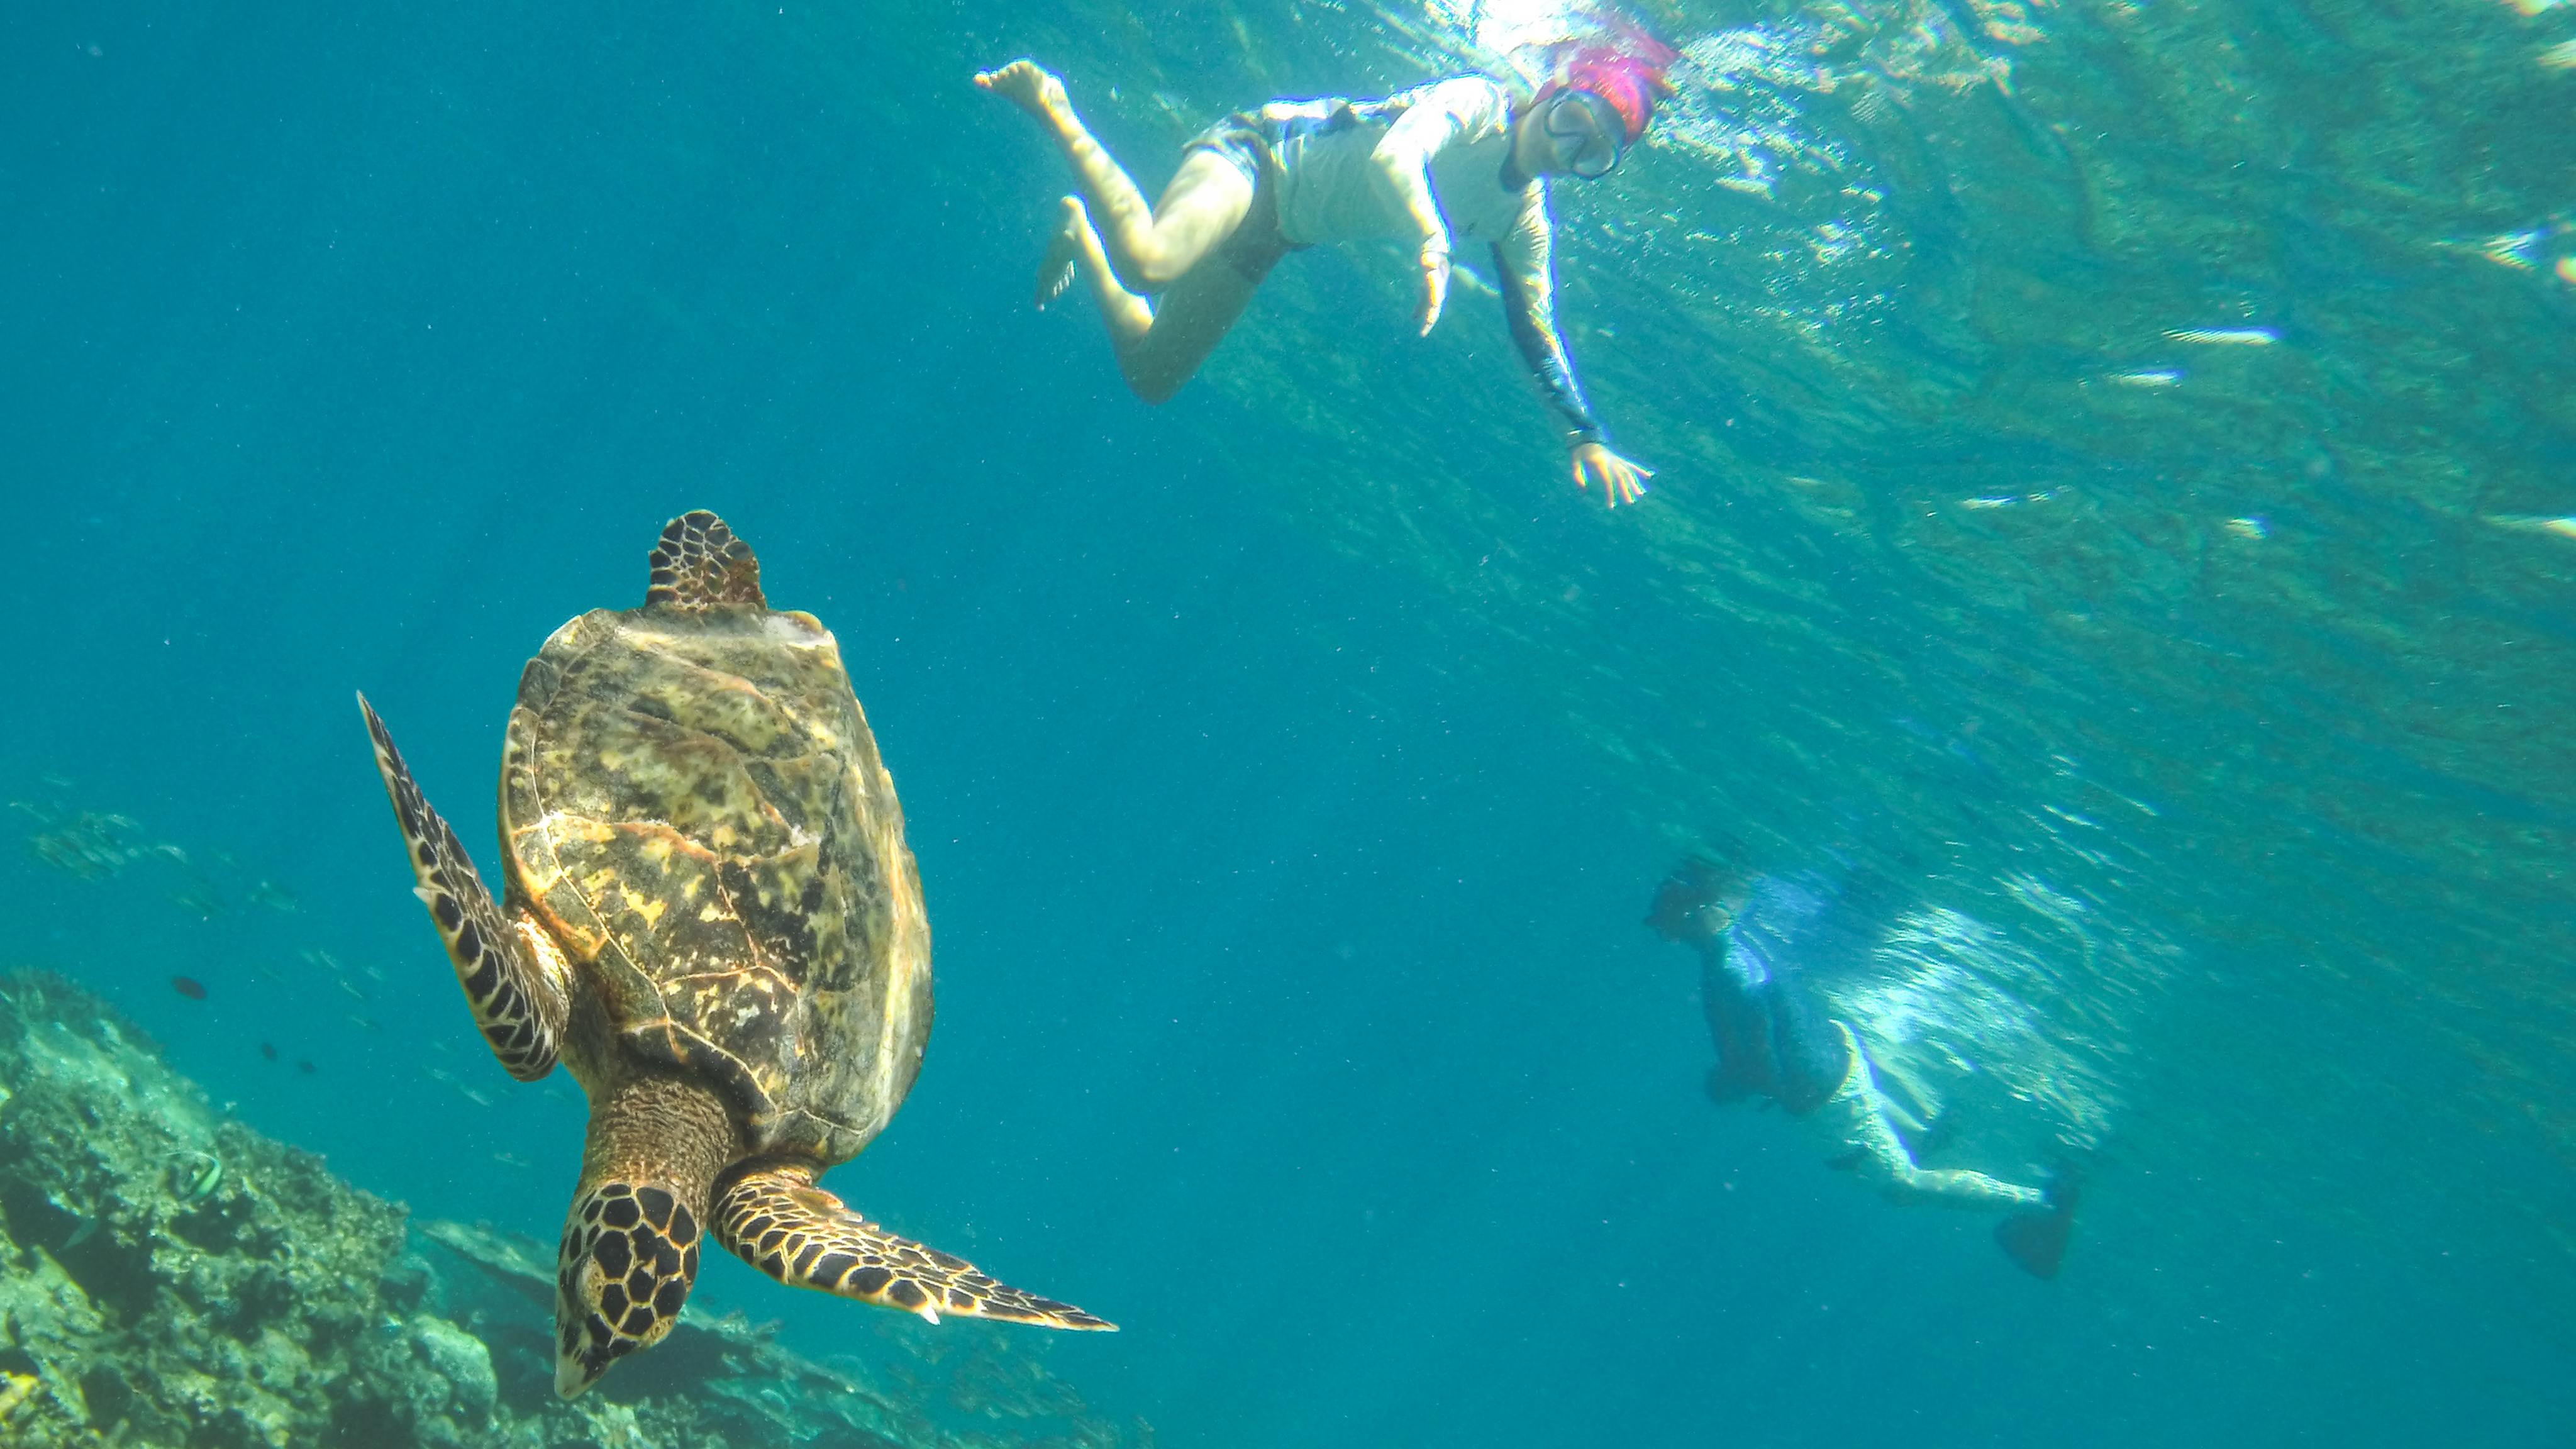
{"type": "Point", "coordinates": [169, 1277]}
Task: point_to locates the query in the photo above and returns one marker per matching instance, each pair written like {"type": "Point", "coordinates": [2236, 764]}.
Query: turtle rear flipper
{"type": "Point", "coordinates": [519, 1008]}
{"type": "Point", "coordinates": [778, 1221]}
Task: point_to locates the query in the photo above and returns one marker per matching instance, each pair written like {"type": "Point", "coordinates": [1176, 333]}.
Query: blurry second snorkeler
{"type": "Point", "coordinates": [1456, 157]}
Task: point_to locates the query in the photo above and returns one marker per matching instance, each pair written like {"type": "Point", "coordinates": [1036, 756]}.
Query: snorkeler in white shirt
{"type": "Point", "coordinates": [1457, 158]}
{"type": "Point", "coordinates": [1755, 936]}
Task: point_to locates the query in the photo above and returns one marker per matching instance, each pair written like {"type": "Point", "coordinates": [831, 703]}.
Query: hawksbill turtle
{"type": "Point", "coordinates": [711, 917]}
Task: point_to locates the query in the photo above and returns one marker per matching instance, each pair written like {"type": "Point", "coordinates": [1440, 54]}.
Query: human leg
{"type": "Point", "coordinates": [1077, 245]}
{"type": "Point", "coordinates": [1863, 1116]}
{"type": "Point", "coordinates": [1154, 245]}
{"type": "Point", "coordinates": [1159, 346]}
{"type": "Point", "coordinates": [1889, 1162]}
{"type": "Point", "coordinates": [1960, 1187]}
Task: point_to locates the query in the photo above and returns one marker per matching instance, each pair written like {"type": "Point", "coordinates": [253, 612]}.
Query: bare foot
{"type": "Point", "coordinates": [1055, 269]}
{"type": "Point", "coordinates": [1030, 87]}
{"type": "Point", "coordinates": [1129, 316]}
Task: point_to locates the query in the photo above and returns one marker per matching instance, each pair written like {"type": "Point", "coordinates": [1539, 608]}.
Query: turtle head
{"type": "Point", "coordinates": [630, 1252]}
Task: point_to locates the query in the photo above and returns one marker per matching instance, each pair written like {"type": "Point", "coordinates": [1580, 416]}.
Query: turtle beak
{"type": "Point", "coordinates": [571, 1377]}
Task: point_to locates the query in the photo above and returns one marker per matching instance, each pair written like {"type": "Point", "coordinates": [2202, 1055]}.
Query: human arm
{"type": "Point", "coordinates": [1523, 263]}
{"type": "Point", "coordinates": [1434, 118]}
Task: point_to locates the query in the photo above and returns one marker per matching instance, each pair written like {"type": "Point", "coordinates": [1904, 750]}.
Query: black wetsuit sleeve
{"type": "Point", "coordinates": [1529, 305]}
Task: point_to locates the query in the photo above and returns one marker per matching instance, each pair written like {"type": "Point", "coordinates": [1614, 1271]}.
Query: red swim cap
{"type": "Point", "coordinates": [1630, 83]}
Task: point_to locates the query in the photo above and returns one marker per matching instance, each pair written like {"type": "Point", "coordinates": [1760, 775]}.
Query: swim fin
{"type": "Point", "coordinates": [2036, 1240]}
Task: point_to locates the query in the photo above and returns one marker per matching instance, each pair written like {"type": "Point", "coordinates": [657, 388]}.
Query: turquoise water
{"type": "Point", "coordinates": [1289, 766]}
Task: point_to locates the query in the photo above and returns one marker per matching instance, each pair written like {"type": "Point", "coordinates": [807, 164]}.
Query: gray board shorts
{"type": "Point", "coordinates": [1244, 140]}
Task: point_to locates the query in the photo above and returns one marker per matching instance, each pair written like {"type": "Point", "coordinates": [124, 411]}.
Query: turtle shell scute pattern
{"type": "Point", "coordinates": [693, 800]}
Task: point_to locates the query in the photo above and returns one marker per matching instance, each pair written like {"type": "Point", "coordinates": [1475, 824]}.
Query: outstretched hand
{"type": "Point", "coordinates": [1621, 481]}
{"type": "Point", "coordinates": [1435, 280]}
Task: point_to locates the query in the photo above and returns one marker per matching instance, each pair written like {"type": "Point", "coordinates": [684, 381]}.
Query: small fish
{"type": "Point", "coordinates": [304, 1065]}
{"type": "Point", "coordinates": [189, 987]}
{"type": "Point", "coordinates": [2564, 527]}
{"type": "Point", "coordinates": [272, 895]}
{"type": "Point", "coordinates": [350, 987]}
{"type": "Point", "coordinates": [475, 1097]}
{"type": "Point", "coordinates": [507, 1159]}
{"type": "Point", "coordinates": [193, 1176]}
{"type": "Point", "coordinates": [268, 1050]}
{"type": "Point", "coordinates": [2150, 377]}
{"type": "Point", "coordinates": [2225, 336]}
{"type": "Point", "coordinates": [89, 845]}
{"type": "Point", "coordinates": [364, 1023]}
{"type": "Point", "coordinates": [2513, 249]}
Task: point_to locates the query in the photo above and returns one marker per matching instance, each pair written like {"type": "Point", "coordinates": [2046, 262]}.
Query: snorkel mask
{"type": "Point", "coordinates": [1699, 901]}
{"type": "Point", "coordinates": [1585, 131]}
{"type": "Point", "coordinates": [1602, 99]}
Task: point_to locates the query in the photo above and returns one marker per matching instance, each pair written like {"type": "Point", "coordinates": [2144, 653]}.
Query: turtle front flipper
{"type": "Point", "coordinates": [778, 1221]}
{"type": "Point", "coordinates": [519, 1007]}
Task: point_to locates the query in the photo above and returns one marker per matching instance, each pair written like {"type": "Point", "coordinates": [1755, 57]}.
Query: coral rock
{"type": "Point", "coordinates": [169, 1277]}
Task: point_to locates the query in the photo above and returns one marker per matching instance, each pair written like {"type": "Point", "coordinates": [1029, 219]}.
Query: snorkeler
{"type": "Point", "coordinates": [1755, 935]}
{"type": "Point", "coordinates": [1457, 158]}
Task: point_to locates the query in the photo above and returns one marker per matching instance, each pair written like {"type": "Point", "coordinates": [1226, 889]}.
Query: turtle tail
{"type": "Point", "coordinates": [699, 563]}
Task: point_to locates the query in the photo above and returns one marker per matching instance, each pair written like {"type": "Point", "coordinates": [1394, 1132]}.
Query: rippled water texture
{"type": "Point", "coordinates": [2116, 469]}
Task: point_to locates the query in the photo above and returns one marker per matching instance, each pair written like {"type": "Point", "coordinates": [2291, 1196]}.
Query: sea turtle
{"type": "Point", "coordinates": [711, 916]}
